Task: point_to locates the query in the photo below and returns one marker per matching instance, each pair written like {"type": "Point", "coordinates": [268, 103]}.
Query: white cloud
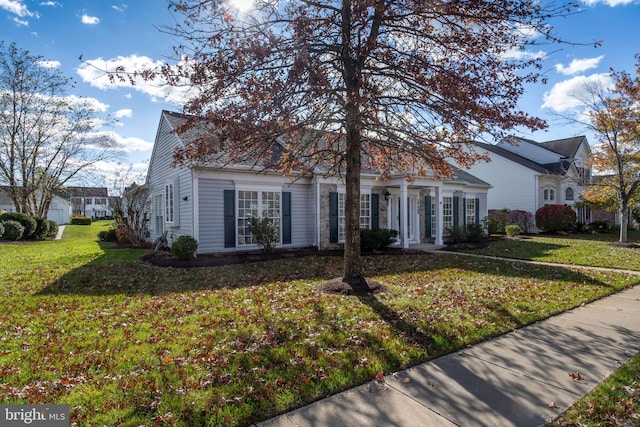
{"type": "Point", "coordinates": [520, 54]}
{"type": "Point", "coordinates": [95, 72]}
{"type": "Point", "coordinates": [566, 95]}
{"type": "Point", "coordinates": [612, 3]}
{"type": "Point", "coordinates": [90, 20]}
{"type": "Point", "coordinates": [50, 64]}
{"type": "Point", "coordinates": [50, 3]}
{"type": "Point", "coordinates": [87, 103]}
{"type": "Point", "coordinates": [125, 112]}
{"type": "Point", "coordinates": [120, 8]}
{"type": "Point", "coordinates": [578, 65]}
{"type": "Point", "coordinates": [127, 144]}
{"type": "Point", "coordinates": [16, 7]}
{"type": "Point", "coordinates": [20, 22]}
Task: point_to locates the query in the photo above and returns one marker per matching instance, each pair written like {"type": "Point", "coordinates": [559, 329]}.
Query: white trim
{"type": "Point", "coordinates": [195, 207]}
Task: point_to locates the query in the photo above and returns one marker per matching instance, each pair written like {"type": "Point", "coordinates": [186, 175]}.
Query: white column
{"type": "Point", "coordinates": [439, 214]}
{"type": "Point", "coordinates": [403, 214]}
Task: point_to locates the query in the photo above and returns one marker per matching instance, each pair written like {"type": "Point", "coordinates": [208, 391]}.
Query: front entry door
{"type": "Point", "coordinates": [411, 217]}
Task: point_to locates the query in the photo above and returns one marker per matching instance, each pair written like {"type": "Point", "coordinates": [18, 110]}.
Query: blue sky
{"type": "Point", "coordinates": [109, 33]}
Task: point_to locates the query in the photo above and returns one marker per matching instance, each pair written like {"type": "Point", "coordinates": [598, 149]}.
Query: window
{"type": "Point", "coordinates": [549, 195]}
{"type": "Point", "coordinates": [100, 201]}
{"type": "Point", "coordinates": [434, 215]}
{"type": "Point", "coordinates": [365, 213]}
{"type": "Point", "coordinates": [470, 208]}
{"type": "Point", "coordinates": [168, 203]}
{"type": "Point", "coordinates": [260, 204]}
{"type": "Point", "coordinates": [447, 212]}
{"type": "Point", "coordinates": [342, 197]}
{"type": "Point", "coordinates": [365, 210]}
{"type": "Point", "coordinates": [568, 194]}
{"type": "Point", "coordinates": [88, 201]}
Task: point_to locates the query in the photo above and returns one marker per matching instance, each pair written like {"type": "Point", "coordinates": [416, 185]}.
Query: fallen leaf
{"type": "Point", "coordinates": [552, 405]}
{"type": "Point", "coordinates": [576, 376]}
{"type": "Point", "coordinates": [406, 380]}
{"type": "Point", "coordinates": [436, 385]}
{"type": "Point", "coordinates": [380, 377]}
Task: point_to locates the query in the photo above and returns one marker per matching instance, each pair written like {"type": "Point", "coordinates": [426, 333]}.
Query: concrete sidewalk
{"type": "Point", "coordinates": [524, 378]}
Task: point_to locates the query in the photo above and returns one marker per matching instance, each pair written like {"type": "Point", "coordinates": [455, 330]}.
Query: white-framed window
{"type": "Point", "coordinates": [365, 213]}
{"type": "Point", "coordinates": [258, 204]}
{"type": "Point", "coordinates": [568, 194]}
{"type": "Point", "coordinates": [434, 216]}
{"type": "Point", "coordinates": [365, 210]}
{"type": "Point", "coordinates": [100, 201]}
{"type": "Point", "coordinates": [470, 209]}
{"type": "Point", "coordinates": [168, 203]}
{"type": "Point", "coordinates": [549, 195]}
{"type": "Point", "coordinates": [88, 201]}
{"type": "Point", "coordinates": [447, 212]}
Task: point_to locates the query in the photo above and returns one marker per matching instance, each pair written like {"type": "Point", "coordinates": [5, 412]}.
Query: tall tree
{"type": "Point", "coordinates": [614, 117]}
{"type": "Point", "coordinates": [46, 138]}
{"type": "Point", "coordinates": [400, 86]}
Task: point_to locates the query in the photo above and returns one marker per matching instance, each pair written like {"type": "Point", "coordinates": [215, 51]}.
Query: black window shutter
{"type": "Point", "coordinates": [286, 217]}
{"type": "Point", "coordinates": [464, 212]}
{"type": "Point", "coordinates": [477, 211]}
{"type": "Point", "coordinates": [375, 214]}
{"type": "Point", "coordinates": [333, 217]}
{"type": "Point", "coordinates": [427, 216]}
{"type": "Point", "coordinates": [456, 212]}
{"type": "Point", "coordinates": [229, 219]}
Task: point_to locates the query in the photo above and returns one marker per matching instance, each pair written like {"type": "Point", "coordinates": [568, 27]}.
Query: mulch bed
{"type": "Point", "coordinates": [165, 259]}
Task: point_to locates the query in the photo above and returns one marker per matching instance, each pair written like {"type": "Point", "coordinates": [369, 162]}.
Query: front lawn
{"type": "Point", "coordinates": [126, 343]}
{"type": "Point", "coordinates": [597, 250]}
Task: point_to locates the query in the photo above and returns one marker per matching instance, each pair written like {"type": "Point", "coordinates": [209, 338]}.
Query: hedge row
{"type": "Point", "coordinates": [20, 226]}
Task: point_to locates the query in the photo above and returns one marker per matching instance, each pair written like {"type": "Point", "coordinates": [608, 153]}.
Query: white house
{"type": "Point", "coordinates": [213, 203]}
{"type": "Point", "coordinates": [92, 202]}
{"type": "Point", "coordinates": [59, 209]}
{"type": "Point", "coordinates": [527, 175]}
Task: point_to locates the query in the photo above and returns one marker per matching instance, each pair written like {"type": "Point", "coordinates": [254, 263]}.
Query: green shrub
{"type": "Point", "coordinates": [555, 218]}
{"type": "Point", "coordinates": [42, 229]}
{"type": "Point", "coordinates": [376, 240]}
{"type": "Point", "coordinates": [27, 221]}
{"type": "Point", "coordinates": [53, 229]}
{"type": "Point", "coordinates": [456, 235]}
{"type": "Point", "coordinates": [108, 235]}
{"type": "Point", "coordinates": [475, 233]}
{"type": "Point", "coordinates": [512, 230]}
{"type": "Point", "coordinates": [80, 220]}
{"type": "Point", "coordinates": [13, 230]}
{"type": "Point", "coordinates": [265, 233]}
{"type": "Point", "coordinates": [184, 247]}
{"type": "Point", "coordinates": [598, 227]}
{"type": "Point", "coordinates": [1, 230]}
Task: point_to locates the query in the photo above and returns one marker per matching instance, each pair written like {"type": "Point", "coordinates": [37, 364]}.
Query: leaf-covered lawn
{"type": "Point", "coordinates": [127, 343]}
{"type": "Point", "coordinates": [575, 249]}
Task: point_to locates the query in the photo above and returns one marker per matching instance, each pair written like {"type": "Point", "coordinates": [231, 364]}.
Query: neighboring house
{"type": "Point", "coordinates": [214, 203]}
{"type": "Point", "coordinates": [59, 209]}
{"type": "Point", "coordinates": [527, 175]}
{"type": "Point", "coordinates": [92, 202]}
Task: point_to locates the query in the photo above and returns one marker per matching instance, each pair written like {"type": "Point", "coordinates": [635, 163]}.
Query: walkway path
{"type": "Point", "coordinates": [524, 378]}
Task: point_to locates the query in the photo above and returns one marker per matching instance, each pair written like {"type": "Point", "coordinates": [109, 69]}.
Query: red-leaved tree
{"type": "Point", "coordinates": [399, 86]}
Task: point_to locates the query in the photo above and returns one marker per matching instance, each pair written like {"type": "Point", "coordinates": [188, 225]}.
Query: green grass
{"type": "Point", "coordinates": [575, 249]}
{"type": "Point", "coordinates": [126, 343]}
{"type": "Point", "coordinates": [614, 403]}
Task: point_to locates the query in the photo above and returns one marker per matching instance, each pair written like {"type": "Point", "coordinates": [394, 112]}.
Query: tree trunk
{"type": "Point", "coordinates": [623, 223]}
{"type": "Point", "coordinates": [353, 268]}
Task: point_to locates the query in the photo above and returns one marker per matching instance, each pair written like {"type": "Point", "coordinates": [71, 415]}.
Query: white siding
{"type": "Point", "coordinates": [513, 185]}
{"type": "Point", "coordinates": [302, 214]}
{"type": "Point", "coordinates": [161, 173]}
{"type": "Point", "coordinates": [211, 214]}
